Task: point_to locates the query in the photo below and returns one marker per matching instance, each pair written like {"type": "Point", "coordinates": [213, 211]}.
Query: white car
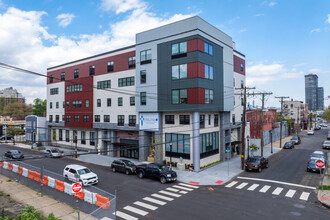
{"type": "Point", "coordinates": [78, 173]}
{"type": "Point", "coordinates": [310, 132]}
{"type": "Point", "coordinates": [53, 153]}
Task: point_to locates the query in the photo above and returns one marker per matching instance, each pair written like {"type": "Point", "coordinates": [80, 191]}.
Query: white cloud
{"type": "Point", "coordinates": [65, 19]}
{"type": "Point", "coordinates": [120, 6]}
{"type": "Point", "coordinates": [315, 30]}
{"type": "Point", "coordinates": [328, 19]}
{"type": "Point", "coordinates": [271, 4]}
{"type": "Point", "coordinates": [265, 70]}
{"type": "Point", "coordinates": [259, 15]}
{"type": "Point", "coordinates": [242, 30]}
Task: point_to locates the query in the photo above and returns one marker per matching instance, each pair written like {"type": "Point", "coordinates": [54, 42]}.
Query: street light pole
{"type": "Point", "coordinates": [271, 142]}
{"type": "Point", "coordinates": [171, 155]}
{"type": "Point", "coordinates": [248, 145]}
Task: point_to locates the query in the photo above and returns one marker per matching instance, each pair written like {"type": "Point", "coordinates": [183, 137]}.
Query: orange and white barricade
{"type": "Point", "coordinates": [25, 172]}
{"type": "Point", "coordinates": [68, 188]}
{"type": "Point", "coordinates": [5, 165]}
{"type": "Point", "coordinates": [15, 168]}
{"type": "Point", "coordinates": [90, 197]}
{"type": "Point", "coordinates": [51, 182]}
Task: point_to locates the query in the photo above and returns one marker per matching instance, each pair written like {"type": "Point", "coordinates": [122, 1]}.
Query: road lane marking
{"type": "Point", "coordinates": [183, 192]}
{"type": "Point", "coordinates": [145, 205]}
{"type": "Point", "coordinates": [135, 210]}
{"type": "Point", "coordinates": [231, 184]}
{"type": "Point", "coordinates": [264, 189]}
{"type": "Point", "coordinates": [187, 185]}
{"type": "Point", "coordinates": [241, 186]}
{"type": "Point", "coordinates": [173, 190]}
{"type": "Point", "coordinates": [274, 181]}
{"type": "Point", "coordinates": [162, 197]}
{"type": "Point", "coordinates": [253, 187]}
{"type": "Point", "coordinates": [169, 193]}
{"type": "Point", "coordinates": [277, 191]}
{"type": "Point", "coordinates": [154, 201]}
{"type": "Point", "coordinates": [290, 193]}
{"type": "Point", "coordinates": [125, 216]}
{"type": "Point", "coordinates": [304, 196]}
{"type": "Point", "coordinates": [185, 188]}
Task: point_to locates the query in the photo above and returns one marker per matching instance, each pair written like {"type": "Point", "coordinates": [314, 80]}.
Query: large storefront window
{"type": "Point", "coordinates": [209, 144]}
{"type": "Point", "coordinates": [180, 145]}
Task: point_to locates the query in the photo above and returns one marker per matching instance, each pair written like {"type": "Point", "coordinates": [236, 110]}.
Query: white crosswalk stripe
{"type": "Point", "coordinates": [154, 201]}
{"type": "Point", "coordinates": [135, 210]}
{"type": "Point", "coordinates": [187, 185]}
{"type": "Point", "coordinates": [183, 192]}
{"type": "Point", "coordinates": [241, 186]}
{"type": "Point", "coordinates": [125, 216]}
{"type": "Point", "coordinates": [162, 197]}
{"type": "Point", "coordinates": [169, 193]}
{"type": "Point", "coordinates": [171, 189]}
{"type": "Point", "coordinates": [184, 188]}
{"type": "Point", "coordinates": [253, 187]}
{"type": "Point", "coordinates": [145, 205]}
{"type": "Point", "coordinates": [277, 191]}
{"type": "Point", "coordinates": [264, 189]}
{"type": "Point", "coordinates": [231, 184]}
{"type": "Point", "coordinates": [290, 193]}
{"type": "Point", "coordinates": [304, 196]}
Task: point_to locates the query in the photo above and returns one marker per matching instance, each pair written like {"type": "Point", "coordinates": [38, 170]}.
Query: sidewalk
{"type": "Point", "coordinates": [324, 196]}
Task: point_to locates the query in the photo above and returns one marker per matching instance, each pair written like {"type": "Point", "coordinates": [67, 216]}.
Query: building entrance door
{"type": "Point", "coordinates": [129, 152]}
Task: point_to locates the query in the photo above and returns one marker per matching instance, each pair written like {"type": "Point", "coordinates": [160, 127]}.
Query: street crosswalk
{"type": "Point", "coordinates": [154, 201]}
{"type": "Point", "coordinates": [274, 190]}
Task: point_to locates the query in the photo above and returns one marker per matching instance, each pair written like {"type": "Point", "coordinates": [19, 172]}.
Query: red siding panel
{"type": "Point", "coordinates": [200, 44]}
{"type": "Point", "coordinates": [201, 70]}
{"type": "Point", "coordinates": [196, 95]}
{"type": "Point", "coordinates": [194, 45]}
{"type": "Point", "coordinates": [237, 65]}
{"type": "Point", "coordinates": [196, 70]}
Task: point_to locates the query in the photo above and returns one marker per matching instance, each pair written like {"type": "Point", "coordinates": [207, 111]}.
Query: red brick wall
{"type": "Point", "coordinates": [255, 119]}
{"type": "Point", "coordinates": [237, 65]}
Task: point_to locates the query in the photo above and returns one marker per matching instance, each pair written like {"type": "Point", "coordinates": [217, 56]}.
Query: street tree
{"type": "Point", "coordinates": [326, 114]}
{"type": "Point", "coordinates": [17, 110]}
{"type": "Point", "coordinates": [39, 107]}
{"type": "Point", "coordinates": [12, 130]}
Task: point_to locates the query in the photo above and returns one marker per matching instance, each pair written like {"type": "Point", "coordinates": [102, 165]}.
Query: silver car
{"type": "Point", "coordinates": [53, 153]}
{"type": "Point", "coordinates": [326, 145]}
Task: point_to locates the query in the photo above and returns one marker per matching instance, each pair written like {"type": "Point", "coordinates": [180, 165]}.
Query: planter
{"type": "Point", "coordinates": [151, 159]}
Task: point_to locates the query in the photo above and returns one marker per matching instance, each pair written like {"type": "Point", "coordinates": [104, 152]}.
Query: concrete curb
{"type": "Point", "coordinates": [322, 203]}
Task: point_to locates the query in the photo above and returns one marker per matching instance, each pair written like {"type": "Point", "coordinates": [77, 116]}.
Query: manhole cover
{"type": "Point", "coordinates": [299, 206]}
{"type": "Point", "coordinates": [295, 213]}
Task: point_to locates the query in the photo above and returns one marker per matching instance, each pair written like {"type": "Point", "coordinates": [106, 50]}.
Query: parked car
{"type": "Point", "coordinates": [124, 166]}
{"type": "Point", "coordinates": [158, 171]}
{"type": "Point", "coordinates": [296, 139]}
{"type": "Point", "coordinates": [310, 132]}
{"type": "Point", "coordinates": [317, 127]}
{"type": "Point", "coordinates": [288, 145]}
{"type": "Point", "coordinates": [14, 154]}
{"type": "Point", "coordinates": [6, 137]}
{"type": "Point", "coordinates": [328, 136]}
{"type": "Point", "coordinates": [256, 163]}
{"type": "Point", "coordinates": [323, 125]}
{"type": "Point", "coordinates": [53, 152]}
{"type": "Point", "coordinates": [78, 173]}
{"type": "Point", "coordinates": [326, 145]}
{"type": "Point", "coordinates": [320, 155]}
{"type": "Point", "coordinates": [311, 166]}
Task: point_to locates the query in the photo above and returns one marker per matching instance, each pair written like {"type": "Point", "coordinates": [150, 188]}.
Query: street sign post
{"type": "Point", "coordinates": [320, 164]}
{"type": "Point", "coordinates": [76, 188]}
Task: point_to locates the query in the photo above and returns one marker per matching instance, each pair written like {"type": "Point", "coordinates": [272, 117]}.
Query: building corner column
{"type": "Point", "coordinates": [196, 149]}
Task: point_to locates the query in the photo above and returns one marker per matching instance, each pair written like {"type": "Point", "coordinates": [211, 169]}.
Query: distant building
{"type": "Point", "coordinates": [35, 129]}
{"type": "Point", "coordinates": [320, 93]}
{"type": "Point", "coordinates": [11, 95]}
{"type": "Point", "coordinates": [297, 111]}
{"type": "Point", "coordinates": [314, 95]}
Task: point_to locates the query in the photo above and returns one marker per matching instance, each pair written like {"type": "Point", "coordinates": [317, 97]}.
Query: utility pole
{"type": "Point", "coordinates": [298, 121]}
{"type": "Point", "coordinates": [281, 97]}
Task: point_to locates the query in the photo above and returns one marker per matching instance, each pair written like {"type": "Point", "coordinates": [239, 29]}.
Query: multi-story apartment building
{"type": "Point", "coordinates": [296, 111]}
{"type": "Point", "coordinates": [320, 96]}
{"type": "Point", "coordinates": [311, 91]}
{"type": "Point", "coordinates": [171, 95]}
{"type": "Point", "coordinates": [10, 95]}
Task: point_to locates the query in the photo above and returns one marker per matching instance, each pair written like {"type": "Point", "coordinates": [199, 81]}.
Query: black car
{"type": "Point", "coordinates": [157, 171]}
{"type": "Point", "coordinates": [288, 145]}
{"type": "Point", "coordinates": [124, 166]}
{"type": "Point", "coordinates": [256, 163]}
{"type": "Point", "coordinates": [14, 154]}
{"type": "Point", "coordinates": [6, 137]}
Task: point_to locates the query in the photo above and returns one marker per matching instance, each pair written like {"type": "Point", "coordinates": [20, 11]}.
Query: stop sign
{"type": "Point", "coordinates": [76, 187]}
{"type": "Point", "coordinates": [319, 164]}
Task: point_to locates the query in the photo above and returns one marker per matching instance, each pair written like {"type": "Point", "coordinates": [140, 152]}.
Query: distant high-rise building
{"type": "Point", "coordinates": [320, 94]}
{"type": "Point", "coordinates": [311, 91]}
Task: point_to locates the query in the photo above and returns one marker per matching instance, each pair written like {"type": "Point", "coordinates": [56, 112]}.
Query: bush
{"type": "Point", "coordinates": [51, 216]}
{"type": "Point", "coordinates": [324, 187]}
{"type": "Point", "coordinates": [210, 164]}
{"type": "Point", "coordinates": [30, 213]}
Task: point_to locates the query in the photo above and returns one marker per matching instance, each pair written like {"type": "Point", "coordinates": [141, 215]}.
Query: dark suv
{"type": "Point", "coordinates": [124, 166]}
{"type": "Point", "coordinates": [158, 171]}
{"type": "Point", "coordinates": [256, 163]}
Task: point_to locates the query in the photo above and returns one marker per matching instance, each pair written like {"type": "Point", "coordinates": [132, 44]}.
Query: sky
{"type": "Point", "coordinates": [282, 40]}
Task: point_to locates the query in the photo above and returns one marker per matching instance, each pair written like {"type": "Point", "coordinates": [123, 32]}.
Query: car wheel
{"type": "Point", "coordinates": [162, 179]}
{"type": "Point", "coordinates": [66, 178]}
{"type": "Point", "coordinates": [267, 165]}
{"type": "Point", "coordinates": [127, 172]}
{"type": "Point", "coordinates": [140, 175]}
{"type": "Point", "coordinates": [113, 169]}
{"type": "Point", "coordinates": [259, 170]}
{"type": "Point", "coordinates": [307, 170]}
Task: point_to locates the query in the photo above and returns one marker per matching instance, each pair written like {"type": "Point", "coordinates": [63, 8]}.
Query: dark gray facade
{"type": "Point", "coordinates": [311, 91]}
{"type": "Point", "coordinates": [320, 92]}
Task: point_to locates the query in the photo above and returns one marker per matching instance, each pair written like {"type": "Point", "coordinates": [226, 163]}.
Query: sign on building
{"type": "Point", "coordinates": [149, 121]}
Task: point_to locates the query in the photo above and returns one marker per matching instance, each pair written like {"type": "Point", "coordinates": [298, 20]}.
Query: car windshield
{"type": "Point", "coordinates": [287, 143]}
{"type": "Point", "coordinates": [164, 167]}
{"type": "Point", "coordinates": [84, 171]}
{"type": "Point", "coordinates": [15, 152]}
{"type": "Point", "coordinates": [326, 142]}
{"type": "Point", "coordinates": [317, 155]}
{"type": "Point", "coordinates": [294, 138]}
{"type": "Point", "coordinates": [253, 160]}
{"type": "Point", "coordinates": [54, 151]}
{"type": "Point", "coordinates": [129, 163]}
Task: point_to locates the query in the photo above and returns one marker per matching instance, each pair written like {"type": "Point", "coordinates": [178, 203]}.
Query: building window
{"type": "Point", "coordinates": [208, 72]}
{"type": "Point", "coordinates": [92, 138]}
{"type": "Point", "coordinates": [67, 135]}
{"type": "Point", "coordinates": [57, 118]}
{"type": "Point", "coordinates": [169, 119]}
{"type": "Point", "coordinates": [233, 119]}
{"type": "Point", "coordinates": [91, 70]}
{"type": "Point", "coordinates": [177, 145]}
{"type": "Point", "coordinates": [179, 96]}
{"type": "Point", "coordinates": [291, 105]}
{"type": "Point", "coordinates": [86, 118]}
{"type": "Point", "coordinates": [216, 120]}
{"type": "Point", "coordinates": [62, 76]}
{"type": "Point", "coordinates": [143, 76]}
{"type": "Point", "coordinates": [76, 118]}
{"type": "Point", "coordinates": [145, 57]}
{"type": "Point", "coordinates": [60, 135]}
{"type": "Point", "coordinates": [75, 136]}
{"type": "Point", "coordinates": [131, 62]}
{"type": "Point", "coordinates": [54, 91]}
{"type": "Point", "coordinates": [108, 102]}
{"type": "Point", "coordinates": [63, 104]}
{"type": "Point", "coordinates": [86, 103]}
{"type": "Point", "coordinates": [68, 119]}
{"type": "Point", "coordinates": [209, 144]}
{"type": "Point", "coordinates": [179, 72]}
{"type": "Point", "coordinates": [242, 84]}
{"type": "Point", "coordinates": [143, 98]}
{"type": "Point", "coordinates": [121, 120]}
{"type": "Point", "coordinates": [120, 101]}
{"type": "Point", "coordinates": [67, 104]}
{"type": "Point", "coordinates": [106, 118]}
{"type": "Point", "coordinates": [132, 101]}
{"type": "Point", "coordinates": [202, 121]}
{"type": "Point", "coordinates": [234, 82]}
{"type": "Point", "coordinates": [208, 96]}
{"type": "Point", "coordinates": [208, 48]}
{"type": "Point", "coordinates": [128, 81]}
{"type": "Point", "coordinates": [104, 84]}
{"type": "Point", "coordinates": [97, 118]}
{"type": "Point", "coordinates": [76, 73]}
{"type": "Point", "coordinates": [76, 104]}
{"type": "Point", "coordinates": [83, 137]}
{"type": "Point", "coordinates": [57, 105]}
{"type": "Point", "coordinates": [110, 66]}
{"type": "Point", "coordinates": [74, 88]}
{"type": "Point", "coordinates": [98, 102]}
{"type": "Point", "coordinates": [184, 119]}
{"type": "Point", "coordinates": [63, 118]}
{"type": "Point", "coordinates": [51, 78]}
{"type": "Point", "coordinates": [132, 120]}
{"type": "Point", "coordinates": [179, 48]}
{"type": "Point", "coordinates": [242, 67]}
{"type": "Point", "coordinates": [242, 101]}
{"type": "Point", "coordinates": [209, 119]}
{"type": "Point", "coordinates": [50, 118]}
{"type": "Point", "coordinates": [50, 105]}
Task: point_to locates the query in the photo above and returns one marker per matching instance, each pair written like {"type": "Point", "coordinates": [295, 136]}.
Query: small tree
{"type": "Point", "coordinates": [11, 130]}
{"type": "Point", "coordinates": [253, 149]}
